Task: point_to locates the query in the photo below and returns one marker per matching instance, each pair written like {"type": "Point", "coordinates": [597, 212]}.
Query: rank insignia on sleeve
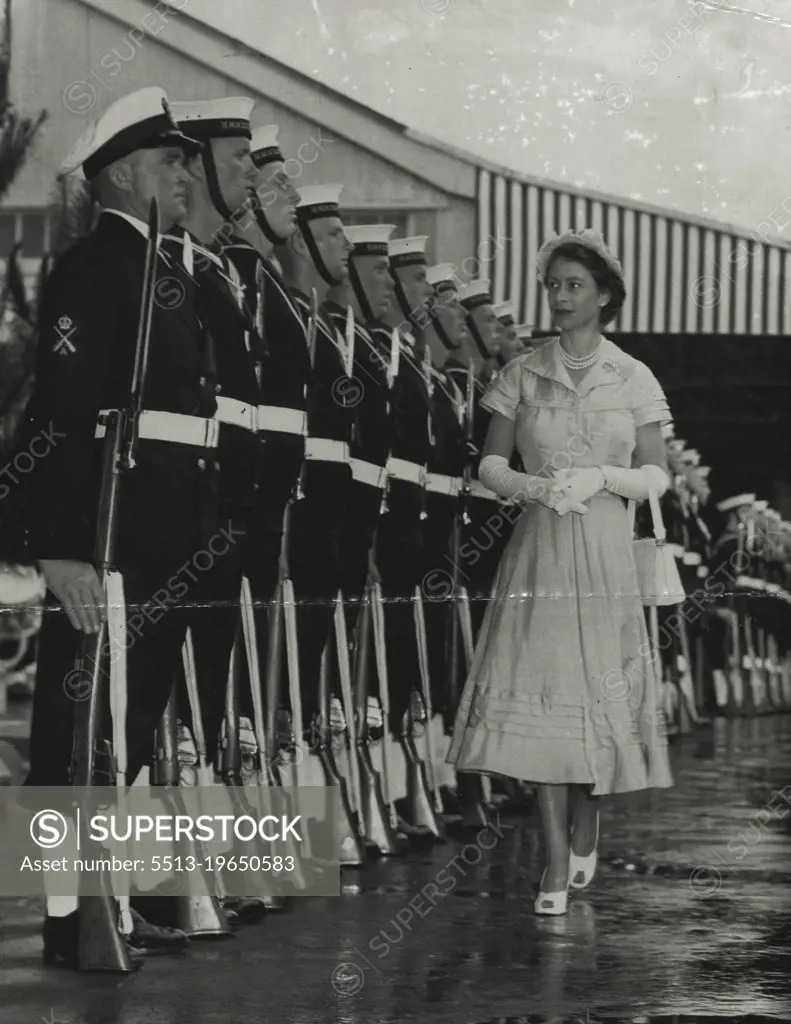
{"type": "Point", "coordinates": [65, 328]}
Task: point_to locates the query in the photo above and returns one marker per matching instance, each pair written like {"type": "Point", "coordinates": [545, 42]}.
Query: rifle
{"type": "Point", "coordinates": [102, 946]}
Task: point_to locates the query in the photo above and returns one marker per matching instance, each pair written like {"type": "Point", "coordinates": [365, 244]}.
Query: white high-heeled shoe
{"type": "Point", "coordinates": [550, 903]}
{"type": "Point", "coordinates": [584, 866]}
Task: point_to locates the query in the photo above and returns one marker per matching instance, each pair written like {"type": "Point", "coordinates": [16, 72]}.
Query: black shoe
{"type": "Point", "coordinates": [245, 911]}
{"type": "Point", "coordinates": [151, 940]}
{"type": "Point", "coordinates": [62, 943]}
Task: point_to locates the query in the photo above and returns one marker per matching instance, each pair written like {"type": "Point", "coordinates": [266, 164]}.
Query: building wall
{"type": "Point", "coordinates": [100, 63]}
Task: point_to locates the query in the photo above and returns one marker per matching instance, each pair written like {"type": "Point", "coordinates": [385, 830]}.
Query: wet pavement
{"type": "Point", "coordinates": [688, 919]}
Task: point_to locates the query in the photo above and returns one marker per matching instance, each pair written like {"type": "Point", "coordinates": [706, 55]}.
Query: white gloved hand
{"type": "Point", "coordinates": [495, 473]}
{"type": "Point", "coordinates": [579, 483]}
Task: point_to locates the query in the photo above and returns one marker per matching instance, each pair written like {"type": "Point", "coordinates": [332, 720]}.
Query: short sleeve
{"type": "Point", "coordinates": [505, 392]}
{"type": "Point", "coordinates": [649, 404]}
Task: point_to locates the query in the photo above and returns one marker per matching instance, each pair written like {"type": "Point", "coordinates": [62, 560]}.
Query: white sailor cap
{"type": "Point", "coordinates": [524, 332]}
{"type": "Point", "coordinates": [676, 445]}
{"type": "Point", "coordinates": [228, 117]}
{"type": "Point", "coordinates": [504, 311]}
{"type": "Point", "coordinates": [773, 514]}
{"type": "Point", "coordinates": [737, 501]}
{"type": "Point", "coordinates": [319, 201]}
{"type": "Point", "coordinates": [690, 457]}
{"type": "Point", "coordinates": [703, 471]}
{"type": "Point", "coordinates": [760, 506]}
{"type": "Point", "coordinates": [264, 147]}
{"type": "Point", "coordinates": [139, 120]}
{"type": "Point", "coordinates": [404, 251]}
{"type": "Point", "coordinates": [443, 277]}
{"type": "Point", "coordinates": [476, 293]}
{"type": "Point", "coordinates": [369, 239]}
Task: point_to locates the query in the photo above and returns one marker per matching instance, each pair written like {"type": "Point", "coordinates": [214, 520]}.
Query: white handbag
{"type": "Point", "coordinates": [658, 578]}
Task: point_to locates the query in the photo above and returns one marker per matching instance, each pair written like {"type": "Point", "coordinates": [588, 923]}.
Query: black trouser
{"type": "Point", "coordinates": [361, 522]}
{"type": "Point", "coordinates": [315, 556]}
{"type": "Point", "coordinates": [438, 596]}
{"type": "Point", "coordinates": [157, 620]}
{"type": "Point", "coordinates": [399, 559]}
{"type": "Point", "coordinates": [483, 545]}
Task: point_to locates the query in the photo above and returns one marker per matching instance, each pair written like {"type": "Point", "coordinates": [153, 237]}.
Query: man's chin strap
{"type": "Point", "coordinates": [401, 296]}
{"type": "Point", "coordinates": [213, 183]}
{"type": "Point", "coordinates": [318, 259]}
{"type": "Point", "coordinates": [439, 330]}
{"type": "Point", "coordinates": [262, 222]}
{"type": "Point", "coordinates": [359, 291]}
{"type": "Point", "coordinates": [476, 336]}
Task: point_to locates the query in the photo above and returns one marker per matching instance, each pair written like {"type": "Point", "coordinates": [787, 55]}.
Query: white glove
{"type": "Point", "coordinates": [495, 473]}
{"type": "Point", "coordinates": [579, 483]}
{"type": "Point", "coordinates": [635, 483]}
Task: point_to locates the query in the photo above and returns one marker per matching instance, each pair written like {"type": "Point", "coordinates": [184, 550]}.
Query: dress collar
{"type": "Point", "coordinates": [612, 365]}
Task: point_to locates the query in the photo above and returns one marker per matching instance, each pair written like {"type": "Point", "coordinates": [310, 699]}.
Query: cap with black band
{"type": "Point", "coordinates": [366, 240]}
{"type": "Point", "coordinates": [316, 202]}
{"type": "Point", "coordinates": [204, 120]}
{"type": "Point", "coordinates": [264, 150]}
{"type": "Point", "coordinates": [472, 296]}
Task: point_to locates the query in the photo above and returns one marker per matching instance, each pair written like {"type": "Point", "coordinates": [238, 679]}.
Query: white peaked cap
{"type": "Point", "coordinates": [221, 115]}
{"type": "Point", "coordinates": [369, 234]}
{"type": "Point", "coordinates": [442, 273]}
{"type": "Point", "coordinates": [480, 289]}
{"type": "Point", "coordinates": [131, 123]}
{"type": "Point", "coordinates": [414, 247]}
{"type": "Point", "coordinates": [773, 514]}
{"type": "Point", "coordinates": [504, 310]}
{"type": "Point", "coordinates": [737, 501]}
{"type": "Point", "coordinates": [319, 195]}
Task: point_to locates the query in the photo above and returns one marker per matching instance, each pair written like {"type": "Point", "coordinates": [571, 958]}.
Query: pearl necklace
{"type": "Point", "coordinates": [578, 362]}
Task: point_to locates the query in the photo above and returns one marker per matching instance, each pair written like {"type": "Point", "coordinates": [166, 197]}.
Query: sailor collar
{"type": "Point", "coordinates": [613, 366]}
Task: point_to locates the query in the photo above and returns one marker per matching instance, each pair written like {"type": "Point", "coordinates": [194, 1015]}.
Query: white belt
{"type": "Point", "coordinates": [282, 421]}
{"type": "Point", "coordinates": [749, 583]}
{"type": "Point", "coordinates": [324, 449]}
{"type": "Point", "coordinates": [772, 588]}
{"type": "Point", "coordinates": [477, 490]}
{"type": "Point", "coordinates": [238, 414]}
{"type": "Point", "coordinates": [400, 469]}
{"type": "Point", "coordinates": [441, 483]}
{"type": "Point", "coordinates": [369, 473]}
{"type": "Point", "coordinates": [156, 425]}
{"type": "Point", "coordinates": [691, 558]}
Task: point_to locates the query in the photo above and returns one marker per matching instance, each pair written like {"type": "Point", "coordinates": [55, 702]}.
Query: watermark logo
{"type": "Point", "coordinates": [48, 829]}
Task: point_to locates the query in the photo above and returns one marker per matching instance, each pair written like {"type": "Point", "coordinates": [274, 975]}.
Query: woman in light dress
{"type": "Point", "coordinates": [562, 691]}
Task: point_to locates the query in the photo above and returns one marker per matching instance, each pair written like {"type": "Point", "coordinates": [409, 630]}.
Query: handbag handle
{"type": "Point", "coordinates": [660, 534]}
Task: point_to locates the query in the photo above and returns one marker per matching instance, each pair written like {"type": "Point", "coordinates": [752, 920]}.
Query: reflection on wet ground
{"type": "Point", "coordinates": [687, 920]}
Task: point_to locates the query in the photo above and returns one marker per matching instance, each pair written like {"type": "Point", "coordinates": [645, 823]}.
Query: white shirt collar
{"type": "Point", "coordinates": [141, 226]}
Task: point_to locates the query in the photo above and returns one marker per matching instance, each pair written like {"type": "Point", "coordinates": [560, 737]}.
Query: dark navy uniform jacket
{"type": "Point", "coordinates": [86, 347]}
{"type": "Point", "coordinates": [369, 394]}
{"type": "Point", "coordinates": [238, 350]}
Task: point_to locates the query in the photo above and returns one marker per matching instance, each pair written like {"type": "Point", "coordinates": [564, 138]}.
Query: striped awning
{"type": "Point", "coordinates": [682, 277]}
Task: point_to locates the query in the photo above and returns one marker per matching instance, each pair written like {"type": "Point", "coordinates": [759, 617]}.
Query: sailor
{"type": "Point", "coordinates": [399, 548]}
{"type": "Point", "coordinates": [450, 455]}
{"type": "Point", "coordinates": [167, 503]}
{"type": "Point", "coordinates": [221, 178]}
{"type": "Point", "coordinates": [490, 522]}
{"type": "Point", "coordinates": [314, 259]}
{"type": "Point", "coordinates": [729, 562]}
